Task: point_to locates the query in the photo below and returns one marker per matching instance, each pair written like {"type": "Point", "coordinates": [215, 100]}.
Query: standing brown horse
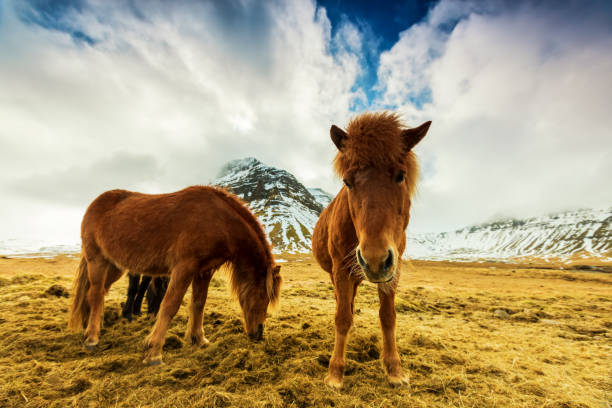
{"type": "Point", "coordinates": [187, 235]}
{"type": "Point", "coordinates": [361, 233]}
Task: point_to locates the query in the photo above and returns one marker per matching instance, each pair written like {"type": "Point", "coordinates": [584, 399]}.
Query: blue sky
{"type": "Point", "coordinates": [382, 23]}
{"type": "Point", "coordinates": [154, 96]}
{"type": "Point", "coordinates": [51, 15]}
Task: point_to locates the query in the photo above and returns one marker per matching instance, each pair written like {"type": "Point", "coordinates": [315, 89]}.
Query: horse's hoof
{"type": "Point", "coordinates": [199, 342]}
{"type": "Point", "coordinates": [91, 346]}
{"type": "Point", "coordinates": [152, 362]}
{"type": "Point", "coordinates": [333, 382]}
{"type": "Point", "coordinates": [399, 380]}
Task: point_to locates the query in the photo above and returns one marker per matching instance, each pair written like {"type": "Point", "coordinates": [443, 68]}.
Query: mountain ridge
{"type": "Point", "coordinates": [584, 233]}
{"type": "Point", "coordinates": [285, 207]}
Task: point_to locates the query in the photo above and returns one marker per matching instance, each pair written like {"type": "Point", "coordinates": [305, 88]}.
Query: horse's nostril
{"type": "Point", "coordinates": [360, 259]}
{"type": "Point", "coordinates": [389, 261]}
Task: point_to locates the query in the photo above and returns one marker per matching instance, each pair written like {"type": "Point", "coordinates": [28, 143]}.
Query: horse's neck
{"type": "Point", "coordinates": [343, 229]}
{"type": "Point", "coordinates": [253, 254]}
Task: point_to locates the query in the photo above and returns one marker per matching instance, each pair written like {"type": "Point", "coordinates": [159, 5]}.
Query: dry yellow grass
{"type": "Point", "coordinates": [549, 347]}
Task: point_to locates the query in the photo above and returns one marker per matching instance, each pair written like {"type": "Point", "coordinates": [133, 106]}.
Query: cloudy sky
{"type": "Point", "coordinates": [154, 96]}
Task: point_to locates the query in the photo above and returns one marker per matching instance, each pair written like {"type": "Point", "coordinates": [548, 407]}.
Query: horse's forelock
{"type": "Point", "coordinates": [374, 140]}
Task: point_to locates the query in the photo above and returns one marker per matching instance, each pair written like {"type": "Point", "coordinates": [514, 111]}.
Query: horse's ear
{"type": "Point", "coordinates": [337, 136]}
{"type": "Point", "coordinates": [276, 269]}
{"type": "Point", "coordinates": [413, 136]}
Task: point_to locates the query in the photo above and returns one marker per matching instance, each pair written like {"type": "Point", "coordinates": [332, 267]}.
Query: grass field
{"type": "Point", "coordinates": [470, 335]}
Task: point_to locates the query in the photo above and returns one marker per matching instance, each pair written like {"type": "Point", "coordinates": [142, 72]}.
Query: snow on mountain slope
{"type": "Point", "coordinates": [322, 197]}
{"type": "Point", "coordinates": [585, 233]}
{"type": "Point", "coordinates": [286, 208]}
{"type": "Point", "coordinates": [39, 248]}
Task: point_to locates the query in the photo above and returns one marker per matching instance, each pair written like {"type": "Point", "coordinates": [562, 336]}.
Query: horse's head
{"type": "Point", "coordinates": [379, 170]}
{"type": "Point", "coordinates": [256, 296]}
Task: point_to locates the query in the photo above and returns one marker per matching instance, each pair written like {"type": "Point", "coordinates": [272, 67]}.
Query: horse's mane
{"type": "Point", "coordinates": [240, 207]}
{"type": "Point", "coordinates": [273, 280]}
{"type": "Point", "coordinates": [374, 139]}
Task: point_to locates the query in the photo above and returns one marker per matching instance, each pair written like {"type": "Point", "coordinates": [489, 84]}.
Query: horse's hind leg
{"type": "Point", "coordinates": [112, 275]}
{"type": "Point", "coordinates": [101, 275]}
{"type": "Point", "coordinates": [199, 291]}
{"type": "Point", "coordinates": [144, 284]}
{"type": "Point", "coordinates": [133, 286]}
{"type": "Point", "coordinates": [180, 279]}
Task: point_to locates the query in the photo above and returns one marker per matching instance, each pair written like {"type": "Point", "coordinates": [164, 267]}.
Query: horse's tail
{"type": "Point", "coordinates": [79, 310]}
{"type": "Point", "coordinates": [273, 284]}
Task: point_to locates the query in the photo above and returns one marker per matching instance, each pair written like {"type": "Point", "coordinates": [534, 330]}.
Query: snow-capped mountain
{"type": "Point", "coordinates": [287, 209]}
{"type": "Point", "coordinates": [581, 233]}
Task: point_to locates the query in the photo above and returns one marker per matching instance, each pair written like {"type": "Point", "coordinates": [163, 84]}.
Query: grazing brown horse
{"type": "Point", "coordinates": [188, 235]}
{"type": "Point", "coordinates": [361, 233]}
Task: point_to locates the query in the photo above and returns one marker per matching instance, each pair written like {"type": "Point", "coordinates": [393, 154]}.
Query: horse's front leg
{"type": "Point", "coordinates": [199, 291]}
{"type": "Point", "coordinates": [180, 279]}
{"type": "Point", "coordinates": [391, 358]}
{"type": "Point", "coordinates": [345, 293]}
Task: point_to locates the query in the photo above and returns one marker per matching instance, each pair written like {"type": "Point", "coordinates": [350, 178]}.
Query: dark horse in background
{"type": "Point", "coordinates": [187, 235]}
{"type": "Point", "coordinates": [361, 234]}
{"type": "Point", "coordinates": [154, 288]}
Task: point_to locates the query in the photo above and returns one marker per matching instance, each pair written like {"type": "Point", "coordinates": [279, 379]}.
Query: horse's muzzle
{"type": "Point", "coordinates": [386, 279]}
{"type": "Point", "coordinates": [380, 271]}
{"type": "Point", "coordinates": [258, 335]}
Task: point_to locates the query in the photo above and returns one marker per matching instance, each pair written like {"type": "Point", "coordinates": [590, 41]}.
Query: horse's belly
{"type": "Point", "coordinates": [136, 260]}
{"type": "Point", "coordinates": [139, 248]}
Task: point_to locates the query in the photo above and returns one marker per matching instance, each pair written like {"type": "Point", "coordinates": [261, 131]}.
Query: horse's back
{"type": "Point", "coordinates": [149, 232]}
{"type": "Point", "coordinates": [103, 203]}
{"type": "Point", "coordinates": [95, 214]}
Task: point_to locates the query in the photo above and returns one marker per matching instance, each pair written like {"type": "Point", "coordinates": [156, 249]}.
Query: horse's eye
{"type": "Point", "coordinates": [400, 177]}
{"type": "Point", "coordinates": [347, 184]}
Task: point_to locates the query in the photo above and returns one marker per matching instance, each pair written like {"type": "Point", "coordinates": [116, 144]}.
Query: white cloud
{"type": "Point", "coordinates": [520, 102]}
{"type": "Point", "coordinates": [185, 87]}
